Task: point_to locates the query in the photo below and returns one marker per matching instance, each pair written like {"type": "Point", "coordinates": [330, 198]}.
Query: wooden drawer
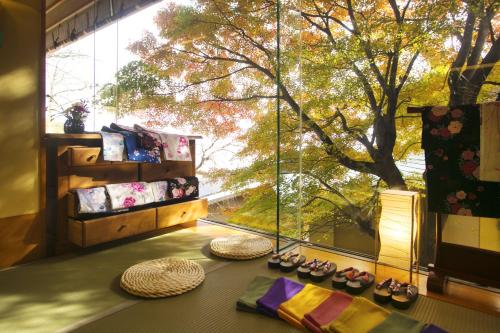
{"type": "Point", "coordinates": [182, 212]}
{"type": "Point", "coordinates": [79, 156]}
{"type": "Point", "coordinates": [105, 229]}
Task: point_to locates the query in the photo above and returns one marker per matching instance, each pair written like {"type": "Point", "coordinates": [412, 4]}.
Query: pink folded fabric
{"type": "Point", "coordinates": [326, 312]}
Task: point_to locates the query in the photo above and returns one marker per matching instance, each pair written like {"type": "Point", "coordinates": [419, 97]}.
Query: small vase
{"type": "Point", "coordinates": [72, 126]}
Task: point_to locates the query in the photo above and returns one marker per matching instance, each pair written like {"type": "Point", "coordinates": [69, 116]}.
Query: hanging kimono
{"type": "Point", "coordinates": [450, 137]}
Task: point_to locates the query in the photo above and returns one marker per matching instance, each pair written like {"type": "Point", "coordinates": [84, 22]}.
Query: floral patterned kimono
{"type": "Point", "coordinates": [113, 146]}
{"type": "Point", "coordinates": [92, 200]}
{"type": "Point", "coordinates": [160, 190]}
{"type": "Point", "coordinates": [175, 147]}
{"type": "Point", "coordinates": [128, 195]}
{"type": "Point", "coordinates": [450, 137]}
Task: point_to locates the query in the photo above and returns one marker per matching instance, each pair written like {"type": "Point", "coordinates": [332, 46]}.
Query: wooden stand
{"type": "Point", "coordinates": [74, 161]}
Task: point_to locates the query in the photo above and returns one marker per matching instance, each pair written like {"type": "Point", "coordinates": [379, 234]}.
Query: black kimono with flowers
{"type": "Point", "coordinates": [450, 137]}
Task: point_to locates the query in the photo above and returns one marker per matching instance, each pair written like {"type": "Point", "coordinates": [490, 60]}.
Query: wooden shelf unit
{"type": "Point", "coordinates": [75, 161]}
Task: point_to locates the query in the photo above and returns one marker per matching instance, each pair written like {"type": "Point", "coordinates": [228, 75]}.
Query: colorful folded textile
{"type": "Point", "coordinates": [186, 187]}
{"type": "Point", "coordinates": [308, 298]}
{"type": "Point", "coordinates": [128, 195]}
{"type": "Point", "coordinates": [92, 200]}
{"type": "Point", "coordinates": [281, 291]}
{"type": "Point", "coordinates": [135, 152]}
{"type": "Point", "coordinates": [255, 290]}
{"type": "Point", "coordinates": [175, 147]}
{"type": "Point", "coordinates": [398, 323]}
{"type": "Point", "coordinates": [433, 329]}
{"type": "Point", "coordinates": [160, 190]}
{"type": "Point", "coordinates": [359, 317]}
{"type": "Point", "coordinates": [327, 311]}
{"type": "Point", "coordinates": [113, 146]}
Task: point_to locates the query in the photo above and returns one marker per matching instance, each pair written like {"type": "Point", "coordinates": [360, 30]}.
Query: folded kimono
{"type": "Point", "coordinates": [327, 311]}
{"type": "Point", "coordinates": [255, 290]}
{"type": "Point", "coordinates": [160, 190]}
{"type": "Point", "coordinates": [281, 291]}
{"type": "Point", "coordinates": [186, 187]}
{"type": "Point", "coordinates": [359, 317]}
{"type": "Point", "coordinates": [135, 152]}
{"type": "Point", "coordinates": [398, 323]}
{"type": "Point", "coordinates": [294, 309]}
{"type": "Point", "coordinates": [175, 147]}
{"type": "Point", "coordinates": [128, 195]}
{"type": "Point", "coordinates": [113, 146]}
{"type": "Point", "coordinates": [148, 139]}
{"type": "Point", "coordinates": [92, 200]}
{"type": "Point", "coordinates": [433, 329]}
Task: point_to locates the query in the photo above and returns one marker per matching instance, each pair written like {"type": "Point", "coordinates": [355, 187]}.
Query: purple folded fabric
{"type": "Point", "coordinates": [281, 291]}
{"type": "Point", "coordinates": [433, 329]}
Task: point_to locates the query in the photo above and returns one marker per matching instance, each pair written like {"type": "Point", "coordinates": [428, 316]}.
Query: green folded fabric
{"type": "Point", "coordinates": [399, 323]}
{"type": "Point", "coordinates": [255, 290]}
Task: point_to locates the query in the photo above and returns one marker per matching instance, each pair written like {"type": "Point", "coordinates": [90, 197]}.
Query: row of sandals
{"type": "Point", "coordinates": [401, 295]}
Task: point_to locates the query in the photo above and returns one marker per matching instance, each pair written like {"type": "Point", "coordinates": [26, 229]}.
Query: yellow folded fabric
{"type": "Point", "coordinates": [305, 301]}
{"type": "Point", "coordinates": [359, 317]}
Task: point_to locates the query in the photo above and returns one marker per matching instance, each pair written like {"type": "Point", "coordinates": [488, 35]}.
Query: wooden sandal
{"type": "Point", "coordinates": [323, 271]}
{"type": "Point", "coordinates": [383, 291]}
{"type": "Point", "coordinates": [304, 270]}
{"type": "Point", "coordinates": [359, 283]}
{"type": "Point", "coordinates": [291, 262]}
{"type": "Point", "coordinates": [339, 279]}
{"type": "Point", "coordinates": [404, 296]}
{"type": "Point", "coordinates": [275, 260]}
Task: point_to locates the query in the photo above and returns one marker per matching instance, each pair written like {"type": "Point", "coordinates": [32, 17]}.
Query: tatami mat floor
{"type": "Point", "coordinates": [81, 294]}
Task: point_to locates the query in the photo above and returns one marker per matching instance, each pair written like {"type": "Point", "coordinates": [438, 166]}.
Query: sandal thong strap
{"type": "Point", "coordinates": [352, 275]}
{"type": "Point", "coordinates": [327, 266]}
{"type": "Point", "coordinates": [411, 291]}
{"type": "Point", "coordinates": [344, 271]}
{"type": "Point", "coordinates": [288, 256]}
{"type": "Point", "coordinates": [384, 283]}
{"type": "Point", "coordinates": [394, 286]}
{"type": "Point", "coordinates": [309, 263]}
{"type": "Point", "coordinates": [363, 278]}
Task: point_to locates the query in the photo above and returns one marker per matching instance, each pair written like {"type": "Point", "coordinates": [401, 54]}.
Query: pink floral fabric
{"type": "Point", "coordinates": [128, 195]}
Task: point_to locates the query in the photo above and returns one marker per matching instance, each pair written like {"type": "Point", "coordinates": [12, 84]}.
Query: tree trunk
{"type": "Point", "coordinates": [390, 174]}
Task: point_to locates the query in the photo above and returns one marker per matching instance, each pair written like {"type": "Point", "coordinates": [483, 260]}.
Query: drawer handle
{"type": "Point", "coordinates": [91, 157]}
{"type": "Point", "coordinates": [121, 228]}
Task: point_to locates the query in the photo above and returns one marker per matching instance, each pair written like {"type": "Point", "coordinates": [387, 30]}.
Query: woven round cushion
{"type": "Point", "coordinates": [162, 277]}
{"type": "Point", "coordinates": [241, 247]}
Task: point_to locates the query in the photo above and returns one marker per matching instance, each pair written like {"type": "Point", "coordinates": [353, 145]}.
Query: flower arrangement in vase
{"type": "Point", "coordinates": [75, 116]}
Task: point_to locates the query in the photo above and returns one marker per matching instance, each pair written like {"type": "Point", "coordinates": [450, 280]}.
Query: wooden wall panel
{"type": "Point", "coordinates": [21, 239]}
